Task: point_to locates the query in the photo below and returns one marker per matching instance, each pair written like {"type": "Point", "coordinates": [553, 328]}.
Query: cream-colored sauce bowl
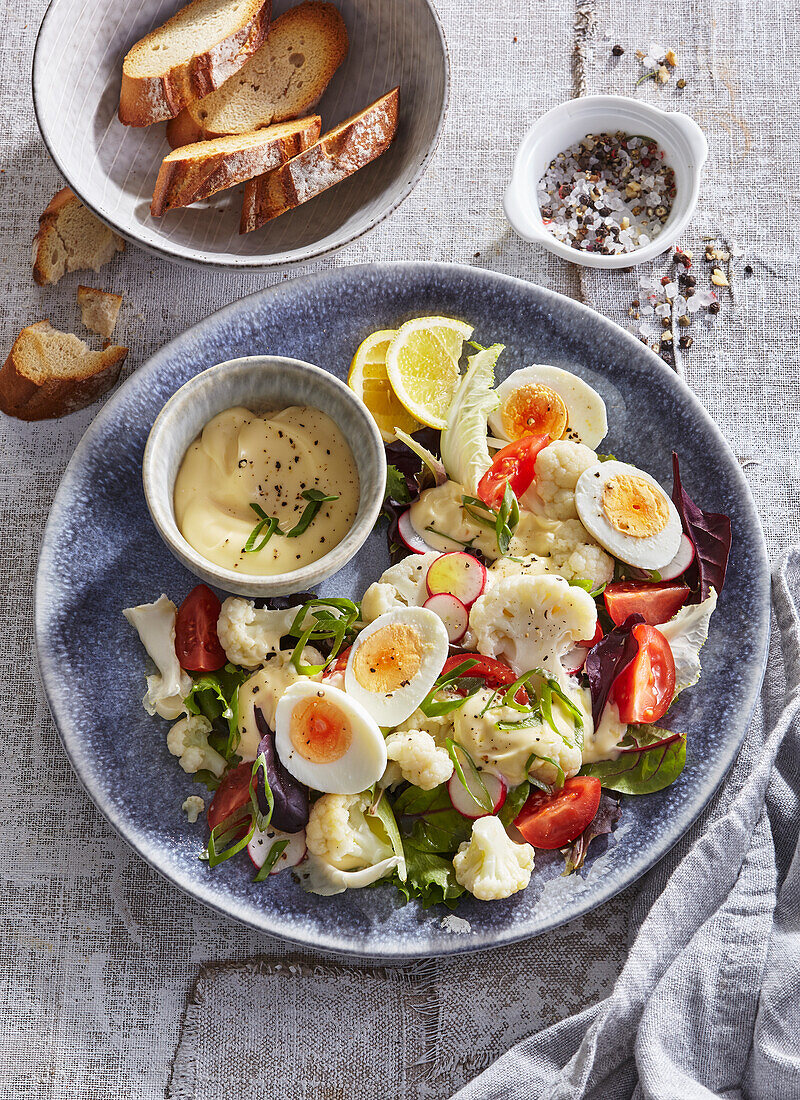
{"type": "Point", "coordinates": [685, 150]}
{"type": "Point", "coordinates": [261, 382]}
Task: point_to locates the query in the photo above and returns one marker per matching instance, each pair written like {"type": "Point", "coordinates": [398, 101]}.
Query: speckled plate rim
{"type": "Point", "coordinates": [394, 951]}
{"type": "Point", "coordinates": [185, 258]}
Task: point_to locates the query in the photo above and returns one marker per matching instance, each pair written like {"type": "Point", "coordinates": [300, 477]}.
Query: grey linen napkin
{"type": "Point", "coordinates": [708, 1002]}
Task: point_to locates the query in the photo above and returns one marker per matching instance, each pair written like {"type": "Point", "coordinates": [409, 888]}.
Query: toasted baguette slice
{"type": "Point", "coordinates": [70, 238]}
{"type": "Point", "coordinates": [99, 309]}
{"type": "Point", "coordinates": [337, 155]}
{"type": "Point", "coordinates": [196, 171]}
{"type": "Point", "coordinates": [50, 373]}
{"type": "Point", "coordinates": [284, 79]}
{"type": "Point", "coordinates": [189, 56]}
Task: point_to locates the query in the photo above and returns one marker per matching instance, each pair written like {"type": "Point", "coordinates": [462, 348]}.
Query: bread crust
{"type": "Point", "coordinates": [48, 227]}
{"type": "Point", "coordinates": [338, 154]}
{"type": "Point", "coordinates": [147, 99]}
{"type": "Point", "coordinates": [25, 399]}
{"type": "Point", "coordinates": [201, 170]}
{"type": "Point", "coordinates": [188, 126]}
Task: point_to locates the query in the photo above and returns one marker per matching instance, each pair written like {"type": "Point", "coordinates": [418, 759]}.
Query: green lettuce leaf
{"type": "Point", "coordinates": [428, 821]}
{"type": "Point", "coordinates": [396, 485]}
{"type": "Point", "coordinates": [383, 811]}
{"type": "Point", "coordinates": [515, 800]}
{"type": "Point", "coordinates": [650, 760]}
{"type": "Point", "coordinates": [465, 452]}
{"type": "Point", "coordinates": [431, 879]}
{"type": "Point", "coordinates": [215, 696]}
{"type": "Point", "coordinates": [686, 633]}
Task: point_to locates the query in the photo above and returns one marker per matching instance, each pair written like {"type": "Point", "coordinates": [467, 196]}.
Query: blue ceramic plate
{"type": "Point", "coordinates": [101, 553]}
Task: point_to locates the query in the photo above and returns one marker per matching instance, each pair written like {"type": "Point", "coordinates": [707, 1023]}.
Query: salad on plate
{"type": "Point", "coordinates": [496, 690]}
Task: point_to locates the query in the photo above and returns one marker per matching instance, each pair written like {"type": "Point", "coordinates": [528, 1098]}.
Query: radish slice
{"type": "Point", "coordinates": [681, 562]}
{"type": "Point", "coordinates": [676, 568]}
{"type": "Point", "coordinates": [457, 574]}
{"type": "Point", "coordinates": [465, 803]}
{"type": "Point", "coordinates": [411, 536]}
{"type": "Point", "coordinates": [261, 843]}
{"type": "Point", "coordinates": [453, 614]}
{"type": "Point", "coordinates": [574, 660]}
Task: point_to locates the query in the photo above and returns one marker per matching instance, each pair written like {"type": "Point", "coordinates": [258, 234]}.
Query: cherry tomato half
{"type": "Point", "coordinates": [644, 690]}
{"type": "Point", "coordinates": [595, 638]}
{"type": "Point", "coordinates": [232, 793]}
{"type": "Point", "coordinates": [494, 673]}
{"type": "Point", "coordinates": [553, 820]}
{"type": "Point", "coordinates": [196, 640]}
{"type": "Point", "coordinates": [515, 465]}
{"type": "Point", "coordinates": [656, 603]}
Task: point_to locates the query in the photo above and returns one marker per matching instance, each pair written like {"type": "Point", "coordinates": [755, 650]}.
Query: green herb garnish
{"type": "Point", "coordinates": [484, 802]}
{"type": "Point", "coordinates": [226, 833]}
{"type": "Point", "coordinates": [434, 708]}
{"type": "Point", "coordinates": [333, 620]}
{"type": "Point", "coordinates": [504, 521]}
{"type": "Point", "coordinates": [264, 520]}
{"type": "Point", "coordinates": [315, 497]}
{"type": "Point", "coordinates": [273, 855]}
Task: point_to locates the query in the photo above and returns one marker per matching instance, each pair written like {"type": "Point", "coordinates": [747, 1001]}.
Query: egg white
{"type": "Point", "coordinates": [652, 552]}
{"type": "Point", "coordinates": [586, 410]}
{"type": "Point", "coordinates": [363, 763]}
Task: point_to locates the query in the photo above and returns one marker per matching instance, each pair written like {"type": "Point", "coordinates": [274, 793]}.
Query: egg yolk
{"type": "Point", "coordinates": [634, 506]}
{"type": "Point", "coordinates": [534, 409]}
{"type": "Point", "coordinates": [388, 659]}
{"type": "Point", "coordinates": [319, 731]}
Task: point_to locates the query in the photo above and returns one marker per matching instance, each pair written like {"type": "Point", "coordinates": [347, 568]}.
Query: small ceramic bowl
{"type": "Point", "coordinates": [682, 140]}
{"type": "Point", "coordinates": [260, 381]}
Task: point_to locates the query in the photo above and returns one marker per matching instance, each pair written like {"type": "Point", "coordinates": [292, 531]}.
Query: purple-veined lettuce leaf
{"type": "Point", "coordinates": [709, 533]}
{"type": "Point", "coordinates": [606, 660]}
{"type": "Point", "coordinates": [406, 477]}
{"type": "Point", "coordinates": [650, 759]}
{"type": "Point", "coordinates": [606, 818]}
{"type": "Point", "coordinates": [289, 810]}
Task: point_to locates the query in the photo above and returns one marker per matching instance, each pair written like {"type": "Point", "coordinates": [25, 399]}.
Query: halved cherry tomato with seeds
{"type": "Point", "coordinates": [515, 465]}
{"type": "Point", "coordinates": [232, 794]}
{"type": "Point", "coordinates": [644, 690]}
{"type": "Point", "coordinates": [553, 820]}
{"type": "Point", "coordinates": [196, 640]}
{"type": "Point", "coordinates": [656, 603]}
{"type": "Point", "coordinates": [494, 673]}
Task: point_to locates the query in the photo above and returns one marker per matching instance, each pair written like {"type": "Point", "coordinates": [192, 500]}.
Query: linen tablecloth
{"type": "Point", "coordinates": [109, 974]}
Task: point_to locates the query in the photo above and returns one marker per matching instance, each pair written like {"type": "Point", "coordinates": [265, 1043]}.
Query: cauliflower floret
{"type": "Point", "coordinates": [439, 726]}
{"type": "Point", "coordinates": [421, 761]}
{"type": "Point", "coordinates": [155, 625]}
{"type": "Point", "coordinates": [263, 690]}
{"type": "Point", "coordinates": [520, 749]}
{"type": "Point", "coordinates": [558, 468]}
{"type": "Point", "coordinates": [575, 554]}
{"type": "Point", "coordinates": [249, 634]}
{"type": "Point", "coordinates": [188, 740]}
{"type": "Point", "coordinates": [347, 847]}
{"type": "Point", "coordinates": [193, 807]}
{"type": "Point", "coordinates": [401, 585]}
{"type": "Point", "coordinates": [532, 622]}
{"type": "Point", "coordinates": [491, 866]}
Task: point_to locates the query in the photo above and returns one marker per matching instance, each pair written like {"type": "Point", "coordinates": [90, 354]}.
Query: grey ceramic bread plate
{"type": "Point", "coordinates": [101, 553]}
{"type": "Point", "coordinates": [261, 383]}
{"type": "Point", "coordinates": [112, 168]}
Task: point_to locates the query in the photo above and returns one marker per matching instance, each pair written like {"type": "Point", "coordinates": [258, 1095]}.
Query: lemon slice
{"type": "Point", "coordinates": [369, 380]}
{"type": "Point", "coordinates": [422, 364]}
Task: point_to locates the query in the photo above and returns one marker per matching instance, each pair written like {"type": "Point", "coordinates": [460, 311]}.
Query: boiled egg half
{"type": "Point", "coordinates": [545, 400]}
{"type": "Point", "coordinates": [326, 740]}
{"type": "Point", "coordinates": [395, 661]}
{"type": "Point", "coordinates": [629, 514]}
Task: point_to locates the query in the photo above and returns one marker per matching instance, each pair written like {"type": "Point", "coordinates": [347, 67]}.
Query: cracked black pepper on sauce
{"type": "Point", "coordinates": [240, 459]}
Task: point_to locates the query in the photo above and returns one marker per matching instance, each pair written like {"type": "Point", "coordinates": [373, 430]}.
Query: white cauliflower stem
{"type": "Point", "coordinates": [188, 740]}
{"type": "Point", "coordinates": [347, 847]}
{"type": "Point", "coordinates": [420, 760]}
{"type": "Point", "coordinates": [532, 622]}
{"type": "Point", "coordinates": [491, 866]}
{"type": "Point", "coordinates": [249, 634]}
{"type": "Point", "coordinates": [155, 625]}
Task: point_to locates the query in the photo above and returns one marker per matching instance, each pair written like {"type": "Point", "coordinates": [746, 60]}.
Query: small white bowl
{"type": "Point", "coordinates": [261, 382]}
{"type": "Point", "coordinates": [682, 140]}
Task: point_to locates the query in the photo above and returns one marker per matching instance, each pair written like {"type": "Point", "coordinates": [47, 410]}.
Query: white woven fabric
{"type": "Point", "coordinates": [102, 957]}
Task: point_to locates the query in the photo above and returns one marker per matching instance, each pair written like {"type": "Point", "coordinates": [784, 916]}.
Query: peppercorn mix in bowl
{"type": "Point", "coordinates": [606, 181]}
